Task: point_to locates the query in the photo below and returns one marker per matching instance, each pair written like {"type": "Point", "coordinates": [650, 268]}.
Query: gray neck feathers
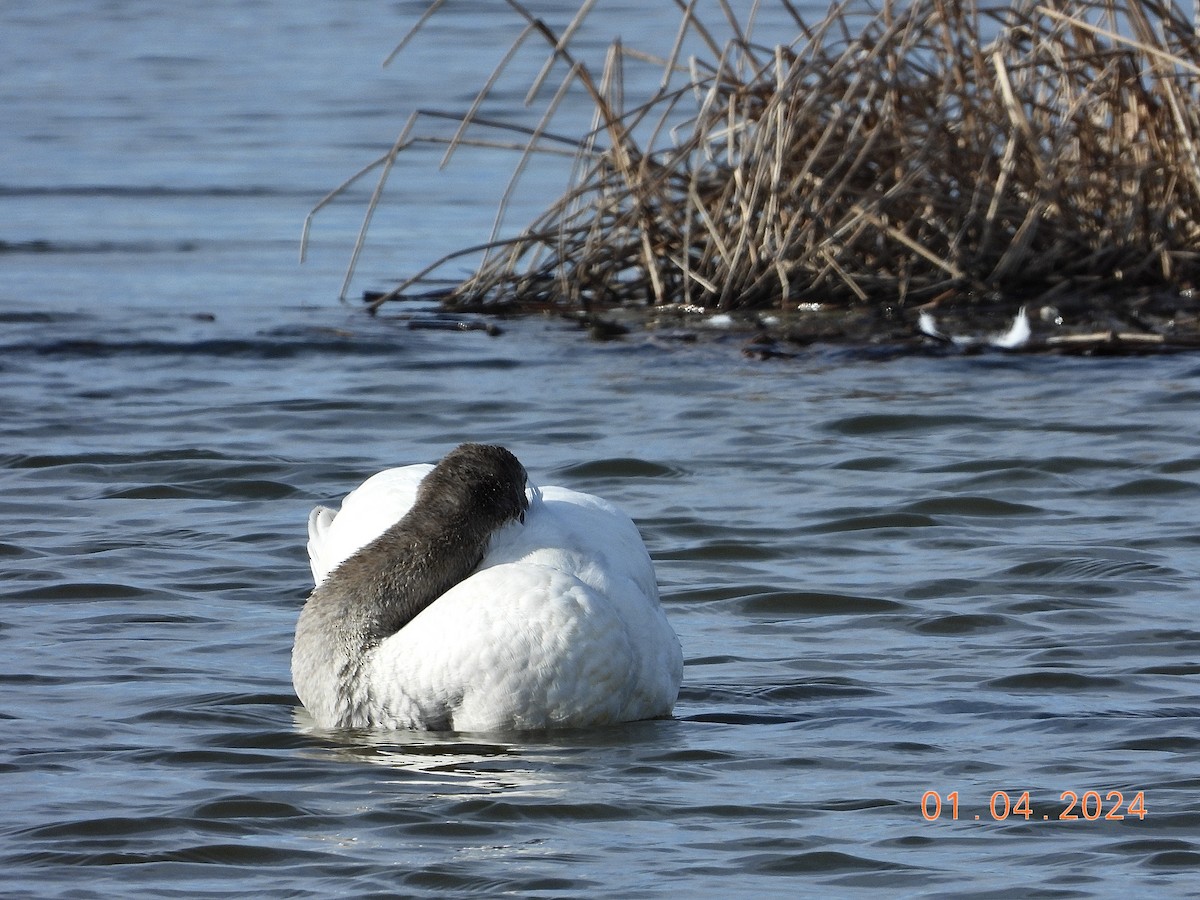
{"type": "Point", "coordinates": [473, 491]}
{"type": "Point", "coordinates": [368, 598]}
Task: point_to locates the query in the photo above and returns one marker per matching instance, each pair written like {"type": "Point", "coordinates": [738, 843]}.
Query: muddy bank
{"type": "Point", "coordinates": [1143, 325]}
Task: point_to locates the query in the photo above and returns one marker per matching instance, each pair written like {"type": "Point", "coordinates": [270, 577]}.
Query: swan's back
{"type": "Point", "coordinates": [367, 512]}
{"type": "Point", "coordinates": [543, 650]}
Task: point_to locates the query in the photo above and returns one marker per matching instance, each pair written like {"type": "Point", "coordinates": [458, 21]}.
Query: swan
{"type": "Point", "coordinates": [456, 597]}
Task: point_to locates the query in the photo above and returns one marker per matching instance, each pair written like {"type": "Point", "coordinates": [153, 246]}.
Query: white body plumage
{"type": "Point", "coordinates": [560, 625]}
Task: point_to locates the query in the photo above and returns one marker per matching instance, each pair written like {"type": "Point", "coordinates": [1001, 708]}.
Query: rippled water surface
{"type": "Point", "coordinates": [890, 576]}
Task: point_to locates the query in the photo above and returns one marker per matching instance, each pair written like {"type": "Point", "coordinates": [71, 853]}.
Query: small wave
{"type": "Point", "coordinates": [1055, 681]}
{"type": "Point", "coordinates": [210, 489]}
{"type": "Point", "coordinates": [622, 467]}
{"type": "Point", "coordinates": [148, 191]}
{"type": "Point", "coordinates": [961, 624]}
{"type": "Point", "coordinates": [1086, 568]}
{"type": "Point", "coordinates": [1155, 487]}
{"type": "Point", "coordinates": [265, 347]}
{"type": "Point", "coordinates": [874, 522]}
{"type": "Point", "coordinates": [807, 603]}
{"type": "Point", "coordinates": [127, 247]}
{"type": "Point", "coordinates": [874, 424]}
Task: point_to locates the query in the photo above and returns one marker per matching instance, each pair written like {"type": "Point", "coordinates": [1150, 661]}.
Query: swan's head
{"type": "Point", "coordinates": [482, 483]}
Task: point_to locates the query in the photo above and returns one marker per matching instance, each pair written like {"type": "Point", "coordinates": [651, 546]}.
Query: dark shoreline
{"type": "Point", "coordinates": [1140, 325]}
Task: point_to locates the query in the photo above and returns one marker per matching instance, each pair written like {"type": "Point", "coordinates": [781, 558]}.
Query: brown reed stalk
{"type": "Point", "coordinates": [888, 154]}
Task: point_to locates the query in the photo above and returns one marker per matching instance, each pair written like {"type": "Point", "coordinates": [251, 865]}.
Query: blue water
{"type": "Point", "coordinates": [890, 576]}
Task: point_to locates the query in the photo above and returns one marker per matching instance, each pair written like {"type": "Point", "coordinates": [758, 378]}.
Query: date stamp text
{"type": "Point", "coordinates": [1090, 806]}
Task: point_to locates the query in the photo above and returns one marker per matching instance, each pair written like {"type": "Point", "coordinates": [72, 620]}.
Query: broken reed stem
{"type": "Point", "coordinates": [884, 154]}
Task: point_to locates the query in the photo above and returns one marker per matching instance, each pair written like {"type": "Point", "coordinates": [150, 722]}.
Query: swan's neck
{"type": "Point", "coordinates": [368, 598]}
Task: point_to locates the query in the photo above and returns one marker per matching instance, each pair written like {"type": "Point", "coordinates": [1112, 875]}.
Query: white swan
{"type": "Point", "coordinates": [453, 598]}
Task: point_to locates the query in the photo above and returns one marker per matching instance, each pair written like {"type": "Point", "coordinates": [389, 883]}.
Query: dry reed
{"type": "Point", "coordinates": [899, 154]}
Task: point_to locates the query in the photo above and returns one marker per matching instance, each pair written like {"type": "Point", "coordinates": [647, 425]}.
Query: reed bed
{"type": "Point", "coordinates": [903, 153]}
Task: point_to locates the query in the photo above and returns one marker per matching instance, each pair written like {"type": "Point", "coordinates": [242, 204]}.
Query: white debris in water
{"type": "Point", "coordinates": [1016, 337]}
